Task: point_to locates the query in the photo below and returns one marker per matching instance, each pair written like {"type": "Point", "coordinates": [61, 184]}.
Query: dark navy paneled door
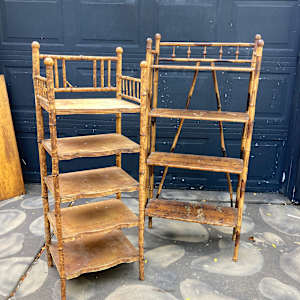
{"type": "Point", "coordinates": [97, 27]}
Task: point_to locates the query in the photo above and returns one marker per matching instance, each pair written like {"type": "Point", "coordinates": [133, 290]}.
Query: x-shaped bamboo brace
{"type": "Point", "coordinates": [175, 140]}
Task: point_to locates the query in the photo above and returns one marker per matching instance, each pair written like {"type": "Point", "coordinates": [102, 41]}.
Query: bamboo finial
{"type": "Point", "coordinates": [48, 61]}
{"type": "Point", "coordinates": [143, 64]}
{"type": "Point", "coordinates": [257, 37]}
{"type": "Point", "coordinates": [157, 36]}
{"type": "Point", "coordinates": [157, 42]}
{"type": "Point", "coordinates": [35, 44]}
{"type": "Point", "coordinates": [260, 43]}
{"type": "Point", "coordinates": [149, 43]}
{"type": "Point", "coordinates": [119, 50]}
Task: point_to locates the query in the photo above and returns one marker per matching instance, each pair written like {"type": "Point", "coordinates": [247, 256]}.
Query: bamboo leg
{"type": "Point", "coordinates": [143, 173]}
{"type": "Point", "coordinates": [223, 147]}
{"type": "Point", "coordinates": [254, 80]}
{"type": "Point", "coordinates": [42, 152]}
{"type": "Point", "coordinates": [55, 172]}
{"type": "Point", "coordinates": [119, 156]}
{"type": "Point", "coordinates": [151, 137]}
{"type": "Point", "coordinates": [175, 140]}
{"type": "Point", "coordinates": [119, 52]}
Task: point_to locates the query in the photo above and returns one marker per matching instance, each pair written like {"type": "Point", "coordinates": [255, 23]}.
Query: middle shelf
{"type": "Point", "coordinates": [103, 216]}
{"type": "Point", "coordinates": [92, 183]}
{"type": "Point", "coordinates": [92, 146]}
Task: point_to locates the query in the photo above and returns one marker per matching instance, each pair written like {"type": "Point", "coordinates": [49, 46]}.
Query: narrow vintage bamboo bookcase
{"type": "Point", "coordinates": [89, 236]}
{"type": "Point", "coordinates": [199, 57]}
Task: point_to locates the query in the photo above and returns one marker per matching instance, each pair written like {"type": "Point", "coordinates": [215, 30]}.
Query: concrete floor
{"type": "Point", "coordinates": [185, 261]}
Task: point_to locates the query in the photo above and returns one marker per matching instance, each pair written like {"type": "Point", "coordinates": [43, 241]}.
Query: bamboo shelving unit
{"type": "Point", "coordinates": [89, 236]}
{"type": "Point", "coordinates": [199, 57]}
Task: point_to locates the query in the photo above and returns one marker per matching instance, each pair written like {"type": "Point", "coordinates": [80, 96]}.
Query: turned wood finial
{"type": "Point", "coordinates": [260, 43]}
{"type": "Point", "coordinates": [143, 64]}
{"type": "Point", "coordinates": [119, 50]}
{"type": "Point", "coordinates": [35, 44]}
{"type": "Point", "coordinates": [149, 43]}
{"type": "Point", "coordinates": [48, 61]}
{"type": "Point", "coordinates": [157, 36]}
{"type": "Point", "coordinates": [257, 37]}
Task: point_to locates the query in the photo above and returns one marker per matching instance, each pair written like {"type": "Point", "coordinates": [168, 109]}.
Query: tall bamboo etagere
{"type": "Point", "coordinates": [89, 236]}
{"type": "Point", "coordinates": [196, 57]}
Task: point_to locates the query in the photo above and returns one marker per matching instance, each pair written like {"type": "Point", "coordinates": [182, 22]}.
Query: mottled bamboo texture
{"type": "Point", "coordinates": [214, 57]}
{"type": "Point", "coordinates": [143, 171]}
{"type": "Point", "coordinates": [56, 80]}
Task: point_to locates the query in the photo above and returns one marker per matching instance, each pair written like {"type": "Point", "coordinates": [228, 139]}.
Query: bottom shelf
{"type": "Point", "coordinates": [192, 212]}
{"type": "Point", "coordinates": [95, 252]}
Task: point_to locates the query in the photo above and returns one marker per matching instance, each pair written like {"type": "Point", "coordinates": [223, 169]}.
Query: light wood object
{"type": "Point", "coordinates": [89, 236]}
{"type": "Point", "coordinates": [196, 57]}
{"type": "Point", "coordinates": [11, 178]}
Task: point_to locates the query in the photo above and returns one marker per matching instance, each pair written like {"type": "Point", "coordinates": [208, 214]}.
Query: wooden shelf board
{"type": "Point", "coordinates": [92, 146]}
{"type": "Point", "coordinates": [93, 183]}
{"type": "Point", "coordinates": [103, 216]}
{"type": "Point", "coordinates": [238, 117]}
{"type": "Point", "coordinates": [196, 162]}
{"type": "Point", "coordinates": [192, 212]}
{"type": "Point", "coordinates": [94, 253]}
{"type": "Point", "coordinates": [92, 106]}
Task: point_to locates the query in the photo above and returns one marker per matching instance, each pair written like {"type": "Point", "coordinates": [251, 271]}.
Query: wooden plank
{"type": "Point", "coordinates": [104, 216]}
{"type": "Point", "coordinates": [92, 106]}
{"type": "Point", "coordinates": [196, 162]}
{"type": "Point", "coordinates": [94, 253]}
{"type": "Point", "coordinates": [225, 116]}
{"type": "Point", "coordinates": [93, 183]}
{"type": "Point", "coordinates": [92, 146]}
{"type": "Point", "coordinates": [11, 178]}
{"type": "Point", "coordinates": [192, 212]}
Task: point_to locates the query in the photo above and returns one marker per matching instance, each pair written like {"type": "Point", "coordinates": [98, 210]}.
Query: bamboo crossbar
{"type": "Point", "coordinates": [85, 89]}
{"type": "Point", "coordinates": [130, 78]}
{"type": "Point", "coordinates": [202, 44]}
{"type": "Point", "coordinates": [203, 68]}
{"type": "Point", "coordinates": [131, 98]}
{"type": "Point", "coordinates": [209, 60]}
{"type": "Point", "coordinates": [39, 77]}
{"type": "Point", "coordinates": [41, 99]}
{"type": "Point", "coordinates": [78, 57]}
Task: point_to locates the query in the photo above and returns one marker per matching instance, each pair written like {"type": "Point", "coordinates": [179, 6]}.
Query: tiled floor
{"type": "Point", "coordinates": [185, 261]}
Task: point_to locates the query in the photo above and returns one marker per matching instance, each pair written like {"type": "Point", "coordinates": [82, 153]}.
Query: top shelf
{"type": "Point", "coordinates": [91, 106]}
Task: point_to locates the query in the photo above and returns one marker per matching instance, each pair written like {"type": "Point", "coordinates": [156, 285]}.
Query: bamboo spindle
{"type": "Point", "coordinates": [64, 73]}
{"type": "Point", "coordinates": [204, 51]}
{"type": "Point", "coordinates": [42, 152]}
{"type": "Point", "coordinates": [237, 52]}
{"type": "Point", "coordinates": [56, 73]}
{"type": "Point", "coordinates": [153, 120]}
{"type": "Point", "coordinates": [175, 140]}
{"type": "Point", "coordinates": [95, 73]}
{"type": "Point", "coordinates": [189, 52]}
{"type": "Point", "coordinates": [251, 110]}
{"type": "Point", "coordinates": [119, 52]}
{"type": "Point", "coordinates": [173, 52]}
{"type": "Point", "coordinates": [222, 138]}
{"type": "Point", "coordinates": [55, 171]}
{"type": "Point", "coordinates": [102, 73]}
{"type": "Point", "coordinates": [109, 73]}
{"type": "Point", "coordinates": [143, 174]}
{"type": "Point", "coordinates": [221, 52]}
